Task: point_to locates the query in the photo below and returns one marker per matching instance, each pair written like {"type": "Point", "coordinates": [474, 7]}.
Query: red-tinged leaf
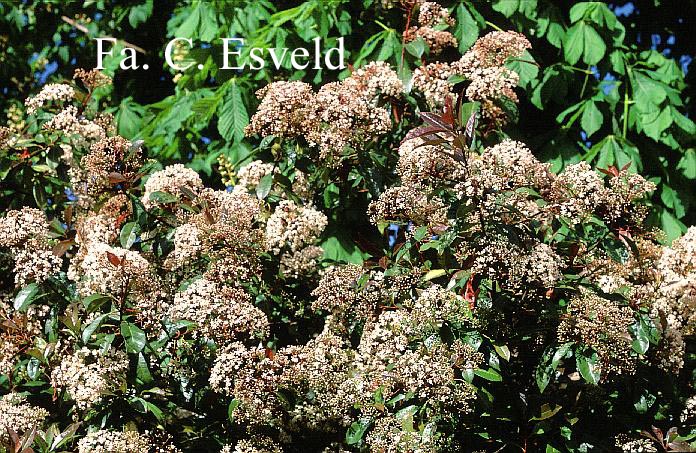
{"type": "Point", "coordinates": [611, 171]}
{"type": "Point", "coordinates": [8, 324]}
{"type": "Point", "coordinates": [434, 142]}
{"type": "Point", "coordinates": [25, 154]}
{"type": "Point", "coordinates": [470, 129]}
{"type": "Point", "coordinates": [208, 217]}
{"type": "Point", "coordinates": [470, 293]}
{"type": "Point", "coordinates": [14, 437]}
{"type": "Point", "coordinates": [270, 354]}
{"type": "Point", "coordinates": [627, 166]}
{"type": "Point", "coordinates": [63, 246]}
{"type": "Point", "coordinates": [439, 228]}
{"type": "Point", "coordinates": [658, 434]}
{"type": "Point", "coordinates": [116, 178]}
{"type": "Point", "coordinates": [398, 246]}
{"type": "Point", "coordinates": [679, 446]}
{"type": "Point", "coordinates": [448, 112]}
{"type": "Point", "coordinates": [120, 219]}
{"type": "Point", "coordinates": [68, 215]}
{"type": "Point", "coordinates": [113, 259]}
{"type": "Point", "coordinates": [435, 120]}
{"type": "Point", "coordinates": [421, 131]}
{"type": "Point", "coordinates": [384, 262]}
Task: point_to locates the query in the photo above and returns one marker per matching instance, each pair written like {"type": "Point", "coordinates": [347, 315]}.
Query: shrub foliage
{"type": "Point", "coordinates": [373, 263]}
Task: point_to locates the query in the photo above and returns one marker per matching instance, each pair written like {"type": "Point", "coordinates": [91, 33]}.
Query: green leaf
{"type": "Point", "coordinates": [578, 11]}
{"type": "Point", "coordinates": [645, 402]}
{"type": "Point", "coordinates": [489, 374]}
{"type": "Point", "coordinates": [506, 7]}
{"type": "Point", "coordinates": [434, 273]}
{"type": "Point", "coordinates": [208, 25]}
{"type": "Point", "coordinates": [592, 118]}
{"type": "Point", "coordinates": [264, 187]}
{"type": "Point", "coordinates": [129, 233]}
{"type": "Point", "coordinates": [189, 29]}
{"type": "Point", "coordinates": [684, 123]}
{"type": "Point", "coordinates": [356, 431]}
{"type": "Point", "coordinates": [389, 46]}
{"type": "Point", "coordinates": [139, 13]}
{"type": "Point", "coordinates": [646, 89]}
{"type": "Point", "coordinates": [618, 64]}
{"type": "Point", "coordinates": [135, 338]}
{"type": "Point", "coordinates": [589, 367]}
{"type": "Point", "coordinates": [33, 368]}
{"type": "Point", "coordinates": [338, 247]}
{"type": "Point", "coordinates": [525, 67]}
{"type": "Point", "coordinates": [143, 371]}
{"type": "Point", "coordinates": [467, 31]}
{"type": "Point", "coordinates": [655, 122]}
{"type": "Point", "coordinates": [163, 198]}
{"type": "Point", "coordinates": [641, 342]}
{"type": "Point", "coordinates": [672, 227]}
{"type": "Point", "coordinates": [549, 363]}
{"type": "Point", "coordinates": [672, 200]}
{"type": "Point", "coordinates": [503, 351]}
{"type": "Point", "coordinates": [687, 163]}
{"type": "Point", "coordinates": [583, 40]}
{"type": "Point", "coordinates": [550, 23]}
{"type": "Point", "coordinates": [25, 297]}
{"type": "Point", "coordinates": [234, 404]}
{"type": "Point", "coordinates": [547, 412]}
{"type": "Point", "coordinates": [93, 326]}
{"type": "Point", "coordinates": [416, 47]}
{"type": "Point", "coordinates": [156, 411]}
{"type": "Point", "coordinates": [593, 45]}
{"type": "Point", "coordinates": [232, 114]}
{"type": "Point", "coordinates": [573, 43]}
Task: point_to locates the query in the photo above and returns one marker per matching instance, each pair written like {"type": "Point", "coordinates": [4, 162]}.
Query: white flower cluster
{"type": "Point", "coordinates": [251, 174]}
{"type": "Point", "coordinates": [293, 227]}
{"type": "Point", "coordinates": [221, 313]}
{"type": "Point", "coordinates": [18, 415]}
{"type": "Point", "coordinates": [88, 374]}
{"type": "Point", "coordinates": [170, 180]}
{"type": "Point", "coordinates": [676, 298]}
{"type": "Point", "coordinates": [108, 441]}
{"type": "Point", "coordinates": [26, 233]}
{"type": "Point", "coordinates": [49, 93]}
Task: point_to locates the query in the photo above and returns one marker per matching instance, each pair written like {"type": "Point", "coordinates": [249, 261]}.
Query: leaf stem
{"type": "Point", "coordinates": [492, 25]}
{"type": "Point", "coordinates": [584, 83]}
{"type": "Point", "coordinates": [383, 26]}
{"type": "Point", "coordinates": [627, 101]}
{"type": "Point", "coordinates": [403, 35]}
{"type": "Point", "coordinates": [575, 68]}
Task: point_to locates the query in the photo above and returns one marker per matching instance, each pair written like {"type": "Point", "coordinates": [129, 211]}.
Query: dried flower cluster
{"type": "Point", "coordinates": [491, 82]}
{"type": "Point", "coordinates": [431, 19]}
{"type": "Point", "coordinates": [341, 115]}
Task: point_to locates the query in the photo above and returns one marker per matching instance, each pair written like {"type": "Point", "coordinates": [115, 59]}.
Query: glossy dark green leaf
{"type": "Point", "coordinates": [135, 338]}
{"type": "Point", "coordinates": [25, 297]}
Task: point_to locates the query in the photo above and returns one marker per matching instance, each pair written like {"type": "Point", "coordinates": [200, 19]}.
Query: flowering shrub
{"type": "Point", "coordinates": [499, 305]}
